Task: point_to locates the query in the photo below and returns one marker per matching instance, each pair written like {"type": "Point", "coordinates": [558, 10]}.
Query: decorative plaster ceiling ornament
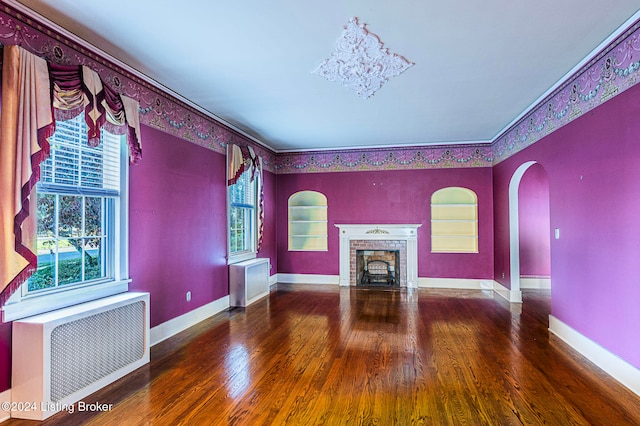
{"type": "Point", "coordinates": [360, 63]}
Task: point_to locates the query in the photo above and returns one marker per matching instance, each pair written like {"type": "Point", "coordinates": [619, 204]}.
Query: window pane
{"type": "Point", "coordinates": [45, 275]}
{"type": "Point", "coordinates": [78, 183]}
{"type": "Point", "coordinates": [93, 258]}
{"type": "Point", "coordinates": [46, 208]}
{"type": "Point", "coordinates": [242, 202]}
{"type": "Point", "coordinates": [70, 220]}
{"type": "Point", "coordinates": [69, 261]}
{"type": "Point", "coordinates": [239, 232]}
{"type": "Point", "coordinates": [93, 216]}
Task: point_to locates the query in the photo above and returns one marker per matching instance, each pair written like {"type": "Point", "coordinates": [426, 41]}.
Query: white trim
{"type": "Point", "coordinates": [439, 144]}
{"type": "Point", "coordinates": [512, 296]}
{"type": "Point", "coordinates": [273, 279]}
{"type": "Point", "coordinates": [308, 279]}
{"type": "Point", "coordinates": [389, 231]}
{"type": "Point", "coordinates": [613, 365]}
{"type": "Point", "coordinates": [538, 283]}
{"type": "Point", "coordinates": [514, 226]}
{"type": "Point", "coordinates": [456, 283]}
{"type": "Point", "coordinates": [5, 397]}
{"type": "Point", "coordinates": [39, 304]}
{"type": "Point", "coordinates": [175, 325]}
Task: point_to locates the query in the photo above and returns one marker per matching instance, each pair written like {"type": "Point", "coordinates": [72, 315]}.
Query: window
{"type": "Point", "coordinates": [307, 221]}
{"type": "Point", "coordinates": [454, 221]}
{"type": "Point", "coordinates": [81, 222]}
{"type": "Point", "coordinates": [242, 218]}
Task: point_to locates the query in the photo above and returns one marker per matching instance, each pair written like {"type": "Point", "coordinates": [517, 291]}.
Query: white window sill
{"type": "Point", "coordinates": [241, 257]}
{"type": "Point", "coordinates": [34, 305]}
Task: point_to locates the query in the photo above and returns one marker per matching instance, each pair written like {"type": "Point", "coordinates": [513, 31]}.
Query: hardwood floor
{"type": "Point", "coordinates": [310, 355]}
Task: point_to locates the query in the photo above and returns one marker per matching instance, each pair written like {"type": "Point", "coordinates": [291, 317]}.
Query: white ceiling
{"type": "Point", "coordinates": [479, 65]}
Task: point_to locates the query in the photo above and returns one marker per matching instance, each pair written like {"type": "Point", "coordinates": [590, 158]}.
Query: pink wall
{"type": "Point", "coordinates": [177, 225]}
{"type": "Point", "coordinates": [594, 196]}
{"type": "Point", "coordinates": [401, 196]}
{"type": "Point", "coordinates": [535, 231]}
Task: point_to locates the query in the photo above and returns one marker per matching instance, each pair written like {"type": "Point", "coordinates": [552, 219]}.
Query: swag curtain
{"type": "Point", "coordinates": [239, 160]}
{"type": "Point", "coordinates": [34, 94]}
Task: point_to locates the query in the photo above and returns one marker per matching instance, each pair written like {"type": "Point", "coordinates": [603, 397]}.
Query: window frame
{"type": "Point", "coordinates": [23, 303]}
{"type": "Point", "coordinates": [252, 240]}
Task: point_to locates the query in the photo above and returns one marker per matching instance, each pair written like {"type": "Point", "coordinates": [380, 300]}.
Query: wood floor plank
{"type": "Point", "coordinates": [322, 355]}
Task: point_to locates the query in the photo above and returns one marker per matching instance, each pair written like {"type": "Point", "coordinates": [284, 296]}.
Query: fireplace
{"type": "Point", "coordinates": [379, 238]}
{"type": "Point", "coordinates": [378, 268]}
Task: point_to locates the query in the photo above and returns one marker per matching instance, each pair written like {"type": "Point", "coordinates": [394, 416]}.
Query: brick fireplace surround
{"type": "Point", "coordinates": [401, 237]}
{"type": "Point", "coordinates": [400, 245]}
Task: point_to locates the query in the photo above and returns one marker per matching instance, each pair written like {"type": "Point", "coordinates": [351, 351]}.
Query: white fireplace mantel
{"type": "Point", "coordinates": [403, 232]}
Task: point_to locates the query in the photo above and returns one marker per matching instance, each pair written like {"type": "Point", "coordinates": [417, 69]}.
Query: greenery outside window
{"type": "Point", "coordinates": [81, 222]}
{"type": "Point", "coordinates": [242, 217]}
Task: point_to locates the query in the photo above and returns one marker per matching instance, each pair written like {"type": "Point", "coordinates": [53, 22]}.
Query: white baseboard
{"type": "Point", "coordinates": [455, 283]}
{"type": "Point", "coordinates": [309, 279]}
{"type": "Point", "coordinates": [512, 296]}
{"type": "Point", "coordinates": [273, 279]}
{"type": "Point", "coordinates": [540, 283]}
{"type": "Point", "coordinates": [176, 325]}
{"type": "Point", "coordinates": [5, 397]}
{"type": "Point", "coordinates": [613, 365]}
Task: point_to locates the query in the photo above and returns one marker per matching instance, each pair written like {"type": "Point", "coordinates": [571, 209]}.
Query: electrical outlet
{"type": "Point", "coordinates": [188, 296]}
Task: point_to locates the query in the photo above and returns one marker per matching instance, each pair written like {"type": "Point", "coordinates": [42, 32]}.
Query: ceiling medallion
{"type": "Point", "coordinates": [360, 62]}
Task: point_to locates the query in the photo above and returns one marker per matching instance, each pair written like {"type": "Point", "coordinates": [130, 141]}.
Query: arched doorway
{"type": "Point", "coordinates": [534, 241]}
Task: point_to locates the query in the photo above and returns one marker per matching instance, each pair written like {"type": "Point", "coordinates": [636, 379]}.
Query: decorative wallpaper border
{"type": "Point", "coordinates": [401, 158]}
{"type": "Point", "coordinates": [612, 71]}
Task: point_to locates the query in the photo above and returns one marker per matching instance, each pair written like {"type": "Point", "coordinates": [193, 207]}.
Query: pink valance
{"type": "Point", "coordinates": [34, 93]}
{"type": "Point", "coordinates": [78, 88]}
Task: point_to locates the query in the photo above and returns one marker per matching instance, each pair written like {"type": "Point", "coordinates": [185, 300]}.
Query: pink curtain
{"type": "Point", "coordinates": [34, 93]}
{"type": "Point", "coordinates": [26, 123]}
{"type": "Point", "coordinates": [235, 163]}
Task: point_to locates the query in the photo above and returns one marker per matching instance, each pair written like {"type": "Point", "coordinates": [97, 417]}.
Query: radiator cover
{"type": "Point", "coordinates": [62, 356]}
{"type": "Point", "coordinates": [248, 281]}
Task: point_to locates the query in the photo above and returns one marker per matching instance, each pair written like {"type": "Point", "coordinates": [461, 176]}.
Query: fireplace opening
{"type": "Point", "coordinates": [378, 268]}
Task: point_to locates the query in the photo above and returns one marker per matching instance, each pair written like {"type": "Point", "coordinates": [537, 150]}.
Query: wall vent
{"type": "Point", "coordinates": [63, 356]}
